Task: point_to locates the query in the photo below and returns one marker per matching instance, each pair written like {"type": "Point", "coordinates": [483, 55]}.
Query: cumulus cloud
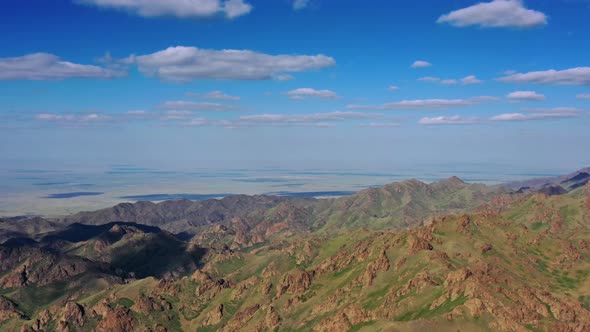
{"type": "Point", "coordinates": [495, 14]}
{"type": "Point", "coordinates": [448, 120]}
{"type": "Point", "coordinates": [215, 95]}
{"type": "Point", "coordinates": [182, 105]}
{"type": "Point", "coordinates": [425, 104]}
{"type": "Point", "coordinates": [449, 82]}
{"type": "Point", "coordinates": [185, 64]}
{"type": "Point", "coordinates": [572, 76]}
{"type": "Point", "coordinates": [304, 93]}
{"type": "Point", "coordinates": [186, 118]}
{"type": "Point", "coordinates": [421, 64]}
{"type": "Point", "coordinates": [73, 120]}
{"type": "Point", "coordinates": [525, 95]}
{"type": "Point", "coordinates": [321, 120]}
{"type": "Point", "coordinates": [307, 118]}
{"type": "Point", "coordinates": [429, 79]}
{"type": "Point", "coordinates": [393, 88]}
{"type": "Point", "coordinates": [176, 8]}
{"type": "Point", "coordinates": [471, 79]}
{"type": "Point", "coordinates": [300, 4]}
{"type": "Point", "coordinates": [380, 125]}
{"type": "Point", "coordinates": [44, 66]}
{"type": "Point", "coordinates": [583, 96]}
{"type": "Point", "coordinates": [539, 114]}
{"type": "Point", "coordinates": [284, 77]}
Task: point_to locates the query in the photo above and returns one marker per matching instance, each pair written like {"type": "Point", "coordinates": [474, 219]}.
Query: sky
{"type": "Point", "coordinates": [301, 84]}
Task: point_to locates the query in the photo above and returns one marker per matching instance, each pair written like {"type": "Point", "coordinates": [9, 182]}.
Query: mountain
{"type": "Point", "coordinates": [567, 182]}
{"type": "Point", "coordinates": [516, 263]}
{"type": "Point", "coordinates": [24, 228]}
{"type": "Point", "coordinates": [403, 204]}
{"type": "Point", "coordinates": [184, 216]}
{"type": "Point", "coordinates": [409, 256]}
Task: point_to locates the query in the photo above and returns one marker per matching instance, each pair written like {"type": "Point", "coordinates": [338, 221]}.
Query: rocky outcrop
{"type": "Point", "coordinates": [214, 316]}
{"type": "Point", "coordinates": [238, 320]}
{"type": "Point", "coordinates": [295, 283]}
{"type": "Point", "coordinates": [117, 320]}
{"type": "Point", "coordinates": [381, 264]}
{"type": "Point", "coordinates": [72, 317]}
{"type": "Point", "coordinates": [8, 310]}
{"type": "Point", "coordinates": [417, 244]}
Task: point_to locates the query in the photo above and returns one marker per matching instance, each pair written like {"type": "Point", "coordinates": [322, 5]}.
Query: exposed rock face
{"type": "Point", "coordinates": [9, 310]}
{"type": "Point", "coordinates": [457, 276]}
{"type": "Point", "coordinates": [295, 283]}
{"type": "Point", "coordinates": [241, 318]}
{"type": "Point", "coordinates": [117, 320]}
{"type": "Point", "coordinates": [27, 266]}
{"type": "Point", "coordinates": [381, 264]}
{"type": "Point", "coordinates": [417, 244]}
{"type": "Point", "coordinates": [72, 317]}
{"type": "Point", "coordinates": [148, 304]}
{"type": "Point", "coordinates": [271, 320]}
{"type": "Point", "coordinates": [214, 316]}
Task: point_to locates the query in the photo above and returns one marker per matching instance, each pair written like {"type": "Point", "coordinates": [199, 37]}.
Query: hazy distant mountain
{"type": "Point", "coordinates": [568, 182]}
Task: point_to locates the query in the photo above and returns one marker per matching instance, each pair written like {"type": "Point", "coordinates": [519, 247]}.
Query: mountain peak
{"type": "Point", "coordinates": [454, 180]}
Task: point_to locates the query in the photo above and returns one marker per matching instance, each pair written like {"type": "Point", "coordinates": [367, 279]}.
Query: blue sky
{"type": "Point", "coordinates": [304, 84]}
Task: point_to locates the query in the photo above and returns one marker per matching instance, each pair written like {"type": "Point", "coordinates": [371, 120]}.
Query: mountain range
{"type": "Point", "coordinates": [408, 256]}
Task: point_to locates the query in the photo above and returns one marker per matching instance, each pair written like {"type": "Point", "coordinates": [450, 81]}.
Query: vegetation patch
{"type": "Point", "coordinates": [426, 312]}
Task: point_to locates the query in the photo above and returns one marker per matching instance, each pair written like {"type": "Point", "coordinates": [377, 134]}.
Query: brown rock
{"type": "Point", "coordinates": [457, 276]}
{"type": "Point", "coordinates": [417, 244]}
{"type": "Point", "coordinates": [486, 247]}
{"type": "Point", "coordinates": [214, 316]}
{"type": "Point", "coordinates": [8, 310]}
{"type": "Point", "coordinates": [295, 283]}
{"type": "Point", "coordinates": [72, 317]}
{"type": "Point", "coordinates": [117, 320]}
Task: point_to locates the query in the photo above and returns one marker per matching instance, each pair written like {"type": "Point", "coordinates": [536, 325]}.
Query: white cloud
{"type": "Point", "coordinates": [525, 95]}
{"type": "Point", "coordinates": [539, 114]}
{"type": "Point", "coordinates": [303, 93]}
{"type": "Point", "coordinates": [495, 14]}
{"type": "Point", "coordinates": [449, 82]}
{"type": "Point", "coordinates": [380, 124]}
{"type": "Point", "coordinates": [197, 122]}
{"type": "Point", "coordinates": [284, 77]}
{"type": "Point", "coordinates": [184, 64]}
{"type": "Point", "coordinates": [308, 118]}
{"type": "Point", "coordinates": [137, 112]}
{"type": "Point", "coordinates": [73, 120]}
{"type": "Point", "coordinates": [583, 96]}
{"type": "Point", "coordinates": [572, 76]}
{"type": "Point", "coordinates": [320, 120]}
{"type": "Point", "coordinates": [215, 95]}
{"type": "Point", "coordinates": [429, 79]}
{"type": "Point", "coordinates": [44, 66]}
{"type": "Point", "coordinates": [235, 8]}
{"type": "Point", "coordinates": [300, 4]}
{"type": "Point", "coordinates": [421, 64]}
{"type": "Point", "coordinates": [393, 88]}
{"type": "Point", "coordinates": [471, 79]}
{"type": "Point", "coordinates": [181, 105]}
{"type": "Point", "coordinates": [177, 8]}
{"type": "Point", "coordinates": [179, 113]}
{"type": "Point", "coordinates": [424, 104]}
{"type": "Point", "coordinates": [448, 120]}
